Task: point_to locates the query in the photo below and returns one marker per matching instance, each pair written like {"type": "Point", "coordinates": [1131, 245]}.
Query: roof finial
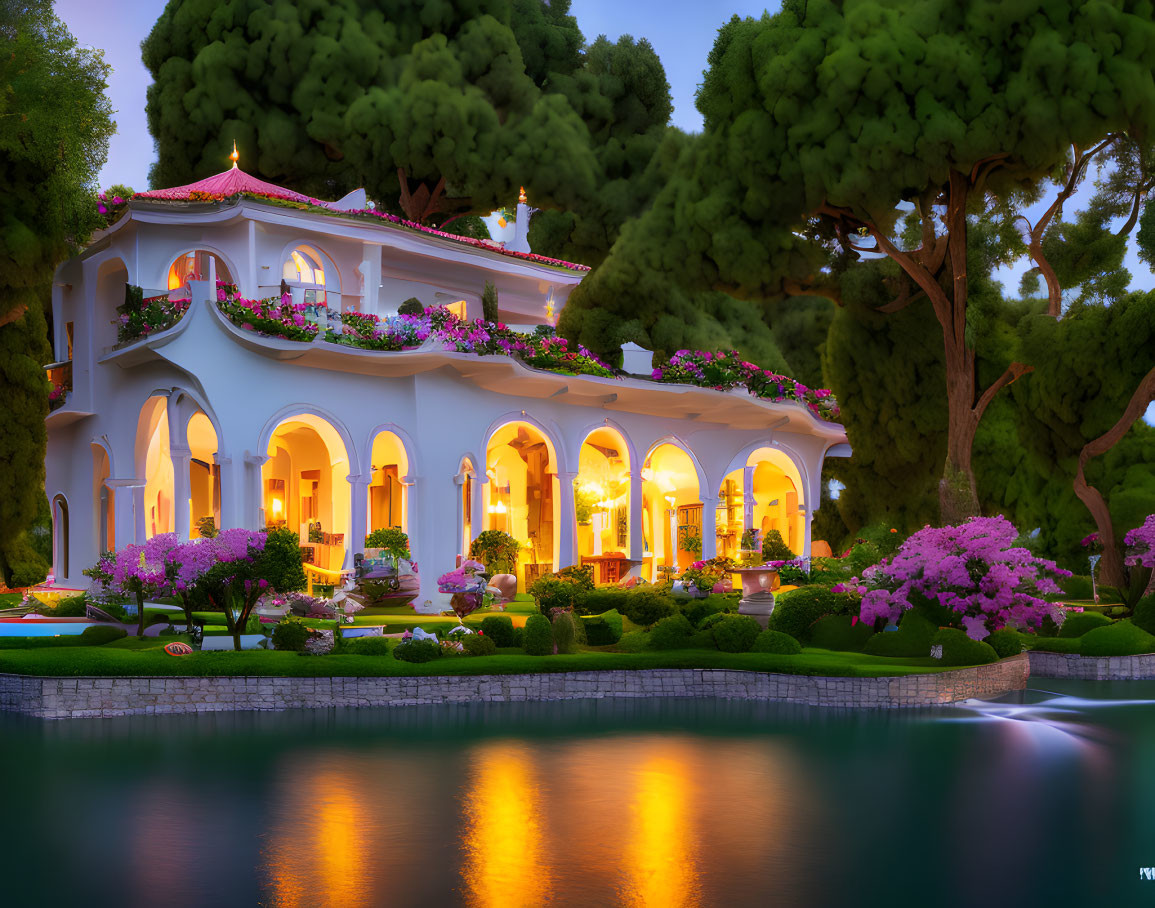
{"type": "Point", "coordinates": [234, 157]}
{"type": "Point", "coordinates": [521, 196]}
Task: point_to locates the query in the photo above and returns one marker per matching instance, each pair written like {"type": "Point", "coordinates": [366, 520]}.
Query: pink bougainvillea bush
{"type": "Point", "coordinates": [725, 370]}
{"type": "Point", "coordinates": [277, 316]}
{"type": "Point", "coordinates": [975, 570]}
{"type": "Point", "coordinates": [1140, 544]}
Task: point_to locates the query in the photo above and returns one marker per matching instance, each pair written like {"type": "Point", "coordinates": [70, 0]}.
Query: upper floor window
{"type": "Point", "coordinates": [194, 266]}
{"type": "Point", "coordinates": [304, 272]}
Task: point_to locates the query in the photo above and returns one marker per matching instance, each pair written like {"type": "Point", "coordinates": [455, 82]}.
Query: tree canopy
{"type": "Point", "coordinates": [54, 126]}
{"type": "Point", "coordinates": [435, 109]}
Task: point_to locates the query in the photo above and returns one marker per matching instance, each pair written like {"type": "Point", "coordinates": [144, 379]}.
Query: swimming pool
{"type": "Point", "coordinates": [43, 627]}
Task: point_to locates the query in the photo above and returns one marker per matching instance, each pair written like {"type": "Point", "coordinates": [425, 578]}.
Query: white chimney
{"type": "Point", "coordinates": [521, 225]}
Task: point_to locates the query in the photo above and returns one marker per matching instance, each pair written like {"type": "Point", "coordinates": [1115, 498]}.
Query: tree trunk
{"type": "Point", "coordinates": [140, 614]}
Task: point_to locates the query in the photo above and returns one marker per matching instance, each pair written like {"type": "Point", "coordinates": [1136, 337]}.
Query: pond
{"type": "Point", "coordinates": [1047, 798]}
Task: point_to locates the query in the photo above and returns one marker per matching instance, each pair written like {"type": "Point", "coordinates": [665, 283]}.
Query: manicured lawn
{"type": "Point", "coordinates": [10, 600]}
{"type": "Point", "coordinates": [146, 657]}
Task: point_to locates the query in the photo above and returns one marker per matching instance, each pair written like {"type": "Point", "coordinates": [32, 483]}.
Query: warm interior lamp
{"type": "Point", "coordinates": [498, 508]}
{"type": "Point", "coordinates": [278, 506]}
{"type": "Point", "coordinates": [671, 499]}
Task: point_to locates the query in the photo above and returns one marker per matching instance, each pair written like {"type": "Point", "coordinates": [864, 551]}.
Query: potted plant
{"type": "Point", "coordinates": [700, 578]}
{"type": "Point", "coordinates": [498, 551]}
{"type": "Point", "coordinates": [392, 544]}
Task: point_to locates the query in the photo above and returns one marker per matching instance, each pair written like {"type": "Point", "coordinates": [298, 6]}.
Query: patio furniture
{"type": "Point", "coordinates": [608, 568]}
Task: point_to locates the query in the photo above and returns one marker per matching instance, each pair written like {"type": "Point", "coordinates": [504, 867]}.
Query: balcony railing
{"type": "Point", "coordinates": [60, 377]}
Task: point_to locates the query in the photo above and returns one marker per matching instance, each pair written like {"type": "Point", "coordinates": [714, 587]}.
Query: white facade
{"type": "Point", "coordinates": [206, 419]}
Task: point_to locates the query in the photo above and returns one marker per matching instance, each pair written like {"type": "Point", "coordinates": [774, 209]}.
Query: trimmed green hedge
{"type": "Point", "coordinates": [100, 634]}
{"type": "Point", "coordinates": [1145, 614]}
{"type": "Point", "coordinates": [538, 637]}
{"type": "Point", "coordinates": [367, 646]}
{"type": "Point", "coordinates": [671, 633]}
{"type": "Point", "coordinates": [736, 633]}
{"type": "Point", "coordinates": [838, 633]}
{"type": "Point", "coordinates": [605, 629]}
{"type": "Point", "coordinates": [499, 629]}
{"type": "Point", "coordinates": [912, 638]}
{"type": "Point", "coordinates": [959, 649]}
{"type": "Point", "coordinates": [1079, 623]}
{"type": "Point", "coordinates": [796, 610]}
{"type": "Point", "coordinates": [776, 642]}
{"type": "Point", "coordinates": [1123, 638]}
{"type": "Point", "coordinates": [1005, 642]}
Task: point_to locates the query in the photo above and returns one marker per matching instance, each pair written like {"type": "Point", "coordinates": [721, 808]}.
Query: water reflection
{"type": "Point", "coordinates": [506, 864]}
{"type": "Point", "coordinates": [660, 852]}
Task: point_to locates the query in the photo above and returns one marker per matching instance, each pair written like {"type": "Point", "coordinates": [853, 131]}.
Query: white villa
{"type": "Point", "coordinates": [202, 418]}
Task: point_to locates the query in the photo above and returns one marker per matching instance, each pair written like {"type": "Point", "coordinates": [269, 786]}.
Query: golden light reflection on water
{"type": "Point", "coordinates": [506, 864]}
{"type": "Point", "coordinates": [323, 862]}
{"type": "Point", "coordinates": [659, 854]}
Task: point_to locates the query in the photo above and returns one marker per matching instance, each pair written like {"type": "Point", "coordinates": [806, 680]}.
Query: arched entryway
{"type": "Point", "coordinates": [104, 500]}
{"type": "Point", "coordinates": [60, 537]}
{"type": "Point", "coordinates": [521, 495]}
{"type": "Point", "coordinates": [154, 466]}
{"type": "Point", "coordinates": [765, 494]}
{"type": "Point", "coordinates": [306, 488]}
{"type": "Point", "coordinates": [672, 511]}
{"type": "Point", "coordinates": [204, 475]}
{"type": "Point", "coordinates": [388, 494]}
{"type": "Point", "coordinates": [466, 479]}
{"type": "Point", "coordinates": [602, 504]}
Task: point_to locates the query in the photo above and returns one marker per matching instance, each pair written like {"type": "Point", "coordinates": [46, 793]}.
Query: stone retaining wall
{"type": "Point", "coordinates": [1093, 668]}
{"type": "Point", "coordinates": [73, 698]}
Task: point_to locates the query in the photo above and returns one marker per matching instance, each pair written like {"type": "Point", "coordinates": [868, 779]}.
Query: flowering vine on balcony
{"type": "Point", "coordinates": [276, 316]}
{"type": "Point", "coordinates": [725, 370]}
{"type": "Point", "coordinates": [141, 316]}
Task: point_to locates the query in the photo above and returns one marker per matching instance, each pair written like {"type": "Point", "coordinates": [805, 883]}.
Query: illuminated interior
{"type": "Point", "coordinates": [602, 498]}
{"type": "Point", "coordinates": [521, 495]}
{"type": "Point", "coordinates": [388, 498]}
{"type": "Point", "coordinates": [672, 511]}
{"type": "Point", "coordinates": [152, 435]}
{"type": "Point", "coordinates": [204, 474]}
{"type": "Point", "coordinates": [311, 280]}
{"type": "Point", "coordinates": [305, 486]}
{"type": "Point", "coordinates": [773, 502]}
{"type": "Point", "coordinates": [194, 266]}
{"type": "Point", "coordinates": [466, 505]}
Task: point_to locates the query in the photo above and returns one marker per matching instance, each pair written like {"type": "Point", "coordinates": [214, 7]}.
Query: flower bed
{"type": "Point", "coordinates": [725, 370]}
{"type": "Point", "coordinates": [141, 316]}
{"type": "Point", "coordinates": [276, 316]}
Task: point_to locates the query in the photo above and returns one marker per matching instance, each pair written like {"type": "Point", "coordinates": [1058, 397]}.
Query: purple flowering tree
{"type": "Point", "coordinates": [974, 570]}
{"type": "Point", "coordinates": [1140, 557]}
{"type": "Point", "coordinates": [231, 574]}
{"type": "Point", "coordinates": [138, 571]}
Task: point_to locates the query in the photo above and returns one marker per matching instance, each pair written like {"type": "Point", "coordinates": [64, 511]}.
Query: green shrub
{"type": "Point", "coordinates": [489, 303]}
{"type": "Point", "coordinates": [367, 646]}
{"type": "Point", "coordinates": [698, 610]}
{"type": "Point", "coordinates": [1077, 587]}
{"type": "Point", "coordinates": [417, 651]}
{"type": "Point", "coordinates": [736, 633]}
{"type": "Point", "coordinates": [552, 591]}
{"type": "Point", "coordinates": [280, 562]}
{"type": "Point", "coordinates": [598, 601]}
{"type": "Point", "coordinates": [290, 635]}
{"type": "Point", "coordinates": [538, 636]}
{"type": "Point", "coordinates": [565, 632]}
{"type": "Point", "coordinates": [796, 610]}
{"type": "Point", "coordinates": [72, 607]}
{"type": "Point", "coordinates": [634, 642]}
{"type": "Point", "coordinates": [647, 606]}
{"type": "Point", "coordinates": [774, 549]}
{"type": "Point", "coordinates": [412, 306]}
{"type": "Point", "coordinates": [671, 632]}
{"type": "Point", "coordinates": [863, 555]}
{"type": "Point", "coordinates": [252, 624]}
{"type": "Point", "coordinates": [1145, 614]}
{"type": "Point", "coordinates": [479, 645]}
{"type": "Point", "coordinates": [1078, 624]}
{"type": "Point", "coordinates": [836, 632]}
{"type": "Point", "coordinates": [776, 642]}
{"type": "Point", "coordinates": [604, 629]}
{"type": "Point", "coordinates": [100, 634]}
{"type": "Point", "coordinates": [912, 639]}
{"type": "Point", "coordinates": [1005, 642]}
{"type": "Point", "coordinates": [1123, 638]}
{"type": "Point", "coordinates": [20, 564]}
{"type": "Point", "coordinates": [519, 637]}
{"type": "Point", "coordinates": [1053, 644]}
{"type": "Point", "coordinates": [959, 649]}
{"type": "Point", "coordinates": [499, 629]}
{"type": "Point", "coordinates": [498, 551]}
{"type": "Point", "coordinates": [709, 621]}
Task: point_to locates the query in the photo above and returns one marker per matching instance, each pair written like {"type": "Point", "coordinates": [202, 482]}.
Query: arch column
{"type": "Point", "coordinates": [709, 527]}
{"type": "Point", "coordinates": [181, 489]}
{"type": "Point", "coordinates": [244, 491]}
{"type": "Point", "coordinates": [233, 512]}
{"type": "Point", "coordinates": [479, 482]}
{"type": "Point", "coordinates": [459, 481]}
{"type": "Point", "coordinates": [567, 522]}
{"type": "Point", "coordinates": [807, 515]}
{"type": "Point", "coordinates": [431, 544]}
{"type": "Point", "coordinates": [748, 498]}
{"type": "Point", "coordinates": [637, 548]}
{"type": "Point", "coordinates": [358, 515]}
{"type": "Point", "coordinates": [139, 517]}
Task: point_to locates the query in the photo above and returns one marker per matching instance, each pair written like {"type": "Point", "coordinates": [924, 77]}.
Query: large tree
{"type": "Point", "coordinates": [437, 109]}
{"type": "Point", "coordinates": [882, 127]}
{"type": "Point", "coordinates": [54, 126]}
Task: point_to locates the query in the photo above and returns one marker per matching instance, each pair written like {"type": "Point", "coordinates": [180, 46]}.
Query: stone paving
{"type": "Point", "coordinates": [74, 698]}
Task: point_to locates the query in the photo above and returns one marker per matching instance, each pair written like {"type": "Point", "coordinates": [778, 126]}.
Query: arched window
{"type": "Point", "coordinates": [194, 266]}
{"type": "Point", "coordinates": [310, 276]}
